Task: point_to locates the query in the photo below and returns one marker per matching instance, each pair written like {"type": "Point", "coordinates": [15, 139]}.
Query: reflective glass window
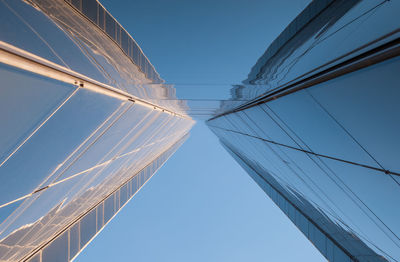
{"type": "Point", "coordinates": [35, 258]}
{"type": "Point", "coordinates": [135, 53]}
{"type": "Point", "coordinates": [117, 33]}
{"type": "Point", "coordinates": [125, 41]}
{"type": "Point", "coordinates": [329, 249]}
{"type": "Point", "coordinates": [100, 216]}
{"type": "Point", "coordinates": [123, 195]}
{"type": "Point", "coordinates": [89, 8]}
{"type": "Point", "coordinates": [77, 4]}
{"type": "Point", "coordinates": [367, 110]}
{"type": "Point", "coordinates": [88, 227]}
{"type": "Point", "coordinates": [110, 25]}
{"type": "Point", "coordinates": [74, 243]}
{"type": "Point", "coordinates": [54, 142]}
{"type": "Point", "coordinates": [134, 184]}
{"type": "Point", "coordinates": [101, 22]}
{"type": "Point", "coordinates": [339, 255]}
{"type": "Point", "coordinates": [109, 208]}
{"type": "Point", "coordinates": [57, 250]}
{"type": "Point", "coordinates": [26, 101]}
{"type": "Point", "coordinates": [19, 30]}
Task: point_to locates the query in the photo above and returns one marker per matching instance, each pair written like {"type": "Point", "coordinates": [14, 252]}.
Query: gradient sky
{"type": "Point", "coordinates": [201, 206]}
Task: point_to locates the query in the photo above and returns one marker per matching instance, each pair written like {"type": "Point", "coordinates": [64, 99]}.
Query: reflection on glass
{"type": "Point", "coordinates": [320, 135]}
{"type": "Point", "coordinates": [88, 120]}
{"type": "Point", "coordinates": [57, 250]}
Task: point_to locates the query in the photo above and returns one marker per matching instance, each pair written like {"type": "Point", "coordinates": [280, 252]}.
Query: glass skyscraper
{"type": "Point", "coordinates": [320, 132]}
{"type": "Point", "coordinates": [85, 122]}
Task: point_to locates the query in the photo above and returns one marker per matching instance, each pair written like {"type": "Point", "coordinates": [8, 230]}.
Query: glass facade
{"type": "Point", "coordinates": [320, 134]}
{"type": "Point", "coordinates": [76, 235]}
{"type": "Point", "coordinates": [85, 124]}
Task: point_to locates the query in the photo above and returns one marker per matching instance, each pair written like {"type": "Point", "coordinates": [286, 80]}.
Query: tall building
{"type": "Point", "coordinates": [85, 122]}
{"type": "Point", "coordinates": [320, 132]}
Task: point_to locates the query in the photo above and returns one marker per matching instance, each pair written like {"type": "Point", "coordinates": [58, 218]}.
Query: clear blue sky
{"type": "Point", "coordinates": [201, 206]}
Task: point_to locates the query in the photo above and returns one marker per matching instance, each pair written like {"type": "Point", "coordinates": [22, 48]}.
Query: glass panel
{"type": "Point", "coordinates": [136, 52]}
{"type": "Point", "coordinates": [374, 221]}
{"type": "Point", "coordinates": [118, 33]}
{"type": "Point", "coordinates": [100, 216]}
{"type": "Point", "coordinates": [74, 242]}
{"type": "Point", "coordinates": [142, 62]}
{"type": "Point", "coordinates": [57, 250]}
{"type": "Point", "coordinates": [319, 240]}
{"type": "Point", "coordinates": [134, 184]}
{"type": "Point", "coordinates": [6, 211]}
{"type": "Point", "coordinates": [339, 255]}
{"type": "Point", "coordinates": [110, 25]}
{"type": "Point", "coordinates": [125, 41]}
{"type": "Point", "coordinates": [12, 22]}
{"type": "Point", "coordinates": [77, 4]}
{"type": "Point", "coordinates": [109, 208]}
{"type": "Point", "coordinates": [26, 101]}
{"type": "Point", "coordinates": [88, 227]}
{"type": "Point", "coordinates": [89, 8]}
{"type": "Point", "coordinates": [316, 129]}
{"type": "Point", "coordinates": [123, 195]}
{"type": "Point", "coordinates": [267, 126]}
{"type": "Point", "coordinates": [329, 249]}
{"type": "Point", "coordinates": [108, 141]}
{"type": "Point", "coordinates": [303, 224]}
{"type": "Point", "coordinates": [101, 23]}
{"type": "Point", "coordinates": [68, 128]}
{"type": "Point", "coordinates": [117, 200]}
{"type": "Point", "coordinates": [35, 258]}
{"type": "Point", "coordinates": [367, 109]}
{"type": "Point", "coordinates": [129, 185]}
